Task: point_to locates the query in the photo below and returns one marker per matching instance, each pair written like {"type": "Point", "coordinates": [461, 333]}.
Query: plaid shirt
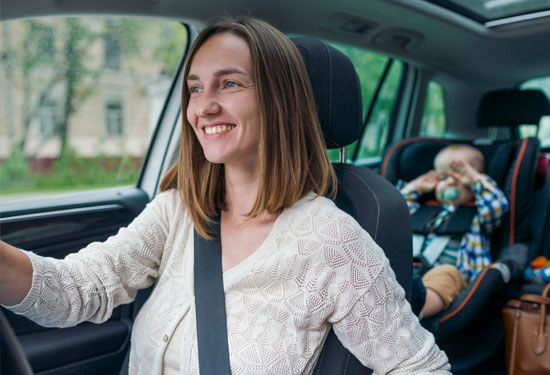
{"type": "Point", "coordinates": [474, 249]}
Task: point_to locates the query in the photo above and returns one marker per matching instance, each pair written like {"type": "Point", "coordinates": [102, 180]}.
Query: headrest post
{"type": "Point", "coordinates": [343, 155]}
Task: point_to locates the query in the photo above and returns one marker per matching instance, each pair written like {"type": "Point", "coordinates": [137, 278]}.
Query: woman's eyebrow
{"type": "Point", "coordinates": [224, 72]}
{"type": "Point", "coordinates": [219, 73]}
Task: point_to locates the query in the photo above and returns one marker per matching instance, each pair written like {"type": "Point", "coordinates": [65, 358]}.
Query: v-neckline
{"type": "Point", "coordinates": [251, 259]}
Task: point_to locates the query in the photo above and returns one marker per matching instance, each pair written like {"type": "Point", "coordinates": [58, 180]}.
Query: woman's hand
{"type": "Point", "coordinates": [424, 183]}
{"type": "Point", "coordinates": [15, 274]}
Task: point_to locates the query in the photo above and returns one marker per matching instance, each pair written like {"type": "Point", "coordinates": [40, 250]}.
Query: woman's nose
{"type": "Point", "coordinates": [208, 106]}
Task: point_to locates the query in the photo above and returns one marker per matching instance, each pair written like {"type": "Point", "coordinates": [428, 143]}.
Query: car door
{"type": "Point", "coordinates": [129, 89]}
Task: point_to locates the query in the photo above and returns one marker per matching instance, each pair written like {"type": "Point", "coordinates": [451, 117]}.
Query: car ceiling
{"type": "Point", "coordinates": [415, 31]}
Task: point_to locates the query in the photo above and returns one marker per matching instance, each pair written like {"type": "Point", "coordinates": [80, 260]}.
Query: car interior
{"type": "Point", "coordinates": [394, 82]}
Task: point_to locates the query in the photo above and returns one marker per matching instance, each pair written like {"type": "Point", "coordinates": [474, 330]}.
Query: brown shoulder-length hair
{"type": "Point", "coordinates": [292, 157]}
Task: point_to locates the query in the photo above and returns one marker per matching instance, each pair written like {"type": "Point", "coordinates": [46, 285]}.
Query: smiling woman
{"type": "Point", "coordinates": [294, 266]}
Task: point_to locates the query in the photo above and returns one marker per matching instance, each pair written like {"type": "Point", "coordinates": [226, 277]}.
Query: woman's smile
{"type": "Point", "coordinates": [217, 129]}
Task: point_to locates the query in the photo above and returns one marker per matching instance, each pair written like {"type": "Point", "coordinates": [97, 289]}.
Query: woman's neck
{"type": "Point", "coordinates": [241, 190]}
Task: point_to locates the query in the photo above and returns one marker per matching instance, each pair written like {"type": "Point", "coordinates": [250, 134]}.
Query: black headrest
{"type": "Point", "coordinates": [513, 107]}
{"type": "Point", "coordinates": [336, 89]}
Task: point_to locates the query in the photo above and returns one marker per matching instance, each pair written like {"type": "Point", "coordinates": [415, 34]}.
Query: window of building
{"type": "Point", "coordinates": [43, 35]}
{"type": "Point", "coordinates": [112, 52]}
{"type": "Point", "coordinates": [47, 119]}
{"type": "Point", "coordinates": [114, 119]}
{"type": "Point", "coordinates": [433, 121]}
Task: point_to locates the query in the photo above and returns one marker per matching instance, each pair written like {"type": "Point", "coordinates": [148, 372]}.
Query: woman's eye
{"type": "Point", "coordinates": [194, 89]}
{"type": "Point", "coordinates": [231, 84]}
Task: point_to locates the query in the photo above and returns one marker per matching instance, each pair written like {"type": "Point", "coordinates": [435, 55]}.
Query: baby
{"type": "Point", "coordinates": [458, 178]}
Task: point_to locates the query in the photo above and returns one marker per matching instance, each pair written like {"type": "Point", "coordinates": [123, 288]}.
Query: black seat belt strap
{"type": "Point", "coordinates": [210, 305]}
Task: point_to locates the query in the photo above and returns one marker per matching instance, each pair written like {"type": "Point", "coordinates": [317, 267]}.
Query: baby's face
{"type": "Point", "coordinates": [450, 190]}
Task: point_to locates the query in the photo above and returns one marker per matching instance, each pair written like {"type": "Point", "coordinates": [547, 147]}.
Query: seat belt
{"type": "Point", "coordinates": [210, 304]}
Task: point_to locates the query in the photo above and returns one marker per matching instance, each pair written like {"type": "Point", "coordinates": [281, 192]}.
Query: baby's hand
{"type": "Point", "coordinates": [424, 183]}
{"type": "Point", "coordinates": [463, 172]}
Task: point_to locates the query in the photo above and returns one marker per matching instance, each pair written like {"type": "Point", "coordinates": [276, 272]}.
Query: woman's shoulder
{"type": "Point", "coordinates": [314, 211]}
{"type": "Point", "coordinates": [313, 204]}
{"type": "Point", "coordinates": [169, 203]}
{"type": "Point", "coordinates": [170, 196]}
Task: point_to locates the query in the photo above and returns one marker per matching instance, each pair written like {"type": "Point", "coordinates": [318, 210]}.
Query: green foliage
{"type": "Point", "coordinates": [75, 172]}
{"type": "Point", "coordinates": [369, 66]}
{"type": "Point", "coordinates": [433, 120]}
{"type": "Point", "coordinates": [14, 171]}
{"type": "Point", "coordinates": [72, 172]}
{"type": "Point", "coordinates": [171, 41]}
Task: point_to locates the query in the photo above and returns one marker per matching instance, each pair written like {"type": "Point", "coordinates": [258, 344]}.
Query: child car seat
{"type": "Point", "coordinates": [512, 164]}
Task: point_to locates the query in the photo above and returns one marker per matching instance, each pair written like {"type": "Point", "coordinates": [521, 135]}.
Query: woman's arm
{"type": "Point", "coordinates": [384, 334]}
{"type": "Point", "coordinates": [15, 274]}
{"type": "Point", "coordinates": [377, 324]}
{"type": "Point", "coordinates": [89, 284]}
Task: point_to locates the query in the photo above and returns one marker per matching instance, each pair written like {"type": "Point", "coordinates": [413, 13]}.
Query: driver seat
{"type": "Point", "coordinates": [374, 202]}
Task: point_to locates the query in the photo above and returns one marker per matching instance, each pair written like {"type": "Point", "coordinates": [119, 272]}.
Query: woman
{"type": "Point", "coordinates": [293, 263]}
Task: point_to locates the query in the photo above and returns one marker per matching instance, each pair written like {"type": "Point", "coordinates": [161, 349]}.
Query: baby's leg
{"type": "Point", "coordinates": [443, 284]}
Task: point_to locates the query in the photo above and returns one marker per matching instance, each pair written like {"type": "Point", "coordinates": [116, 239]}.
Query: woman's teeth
{"type": "Point", "coordinates": [218, 129]}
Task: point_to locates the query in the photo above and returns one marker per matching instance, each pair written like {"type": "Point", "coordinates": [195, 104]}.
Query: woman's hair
{"type": "Point", "coordinates": [292, 157]}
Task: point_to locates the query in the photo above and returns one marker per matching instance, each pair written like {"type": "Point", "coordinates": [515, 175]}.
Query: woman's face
{"type": "Point", "coordinates": [223, 107]}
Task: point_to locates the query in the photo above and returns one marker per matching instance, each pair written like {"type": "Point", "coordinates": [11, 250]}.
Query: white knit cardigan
{"type": "Point", "coordinates": [316, 268]}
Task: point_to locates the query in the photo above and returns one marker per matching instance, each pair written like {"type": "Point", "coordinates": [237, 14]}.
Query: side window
{"type": "Point", "coordinates": [376, 132]}
{"type": "Point", "coordinates": [542, 131]}
{"type": "Point", "coordinates": [433, 121]}
{"type": "Point", "coordinates": [79, 100]}
{"type": "Point", "coordinates": [370, 67]}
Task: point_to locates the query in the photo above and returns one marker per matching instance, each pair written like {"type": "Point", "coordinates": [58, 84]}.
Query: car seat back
{"type": "Point", "coordinates": [370, 199]}
{"type": "Point", "coordinates": [511, 108]}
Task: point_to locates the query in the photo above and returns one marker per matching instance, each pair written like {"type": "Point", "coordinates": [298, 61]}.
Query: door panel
{"type": "Point", "coordinates": [57, 227]}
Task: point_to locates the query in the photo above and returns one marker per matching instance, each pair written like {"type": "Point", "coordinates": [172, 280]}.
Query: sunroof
{"type": "Point", "coordinates": [490, 10]}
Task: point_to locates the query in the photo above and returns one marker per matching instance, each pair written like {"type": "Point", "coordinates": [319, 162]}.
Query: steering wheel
{"type": "Point", "coordinates": [13, 359]}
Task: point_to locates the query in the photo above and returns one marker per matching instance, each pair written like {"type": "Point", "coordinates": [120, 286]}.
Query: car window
{"type": "Point", "coordinates": [375, 136]}
{"type": "Point", "coordinates": [542, 131]}
{"type": "Point", "coordinates": [370, 67]}
{"type": "Point", "coordinates": [80, 99]}
{"type": "Point", "coordinates": [434, 117]}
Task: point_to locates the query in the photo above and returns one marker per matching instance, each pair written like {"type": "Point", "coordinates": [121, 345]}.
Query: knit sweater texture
{"type": "Point", "coordinates": [316, 269]}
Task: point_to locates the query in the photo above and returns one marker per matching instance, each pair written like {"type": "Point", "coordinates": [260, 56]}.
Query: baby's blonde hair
{"type": "Point", "coordinates": [473, 155]}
